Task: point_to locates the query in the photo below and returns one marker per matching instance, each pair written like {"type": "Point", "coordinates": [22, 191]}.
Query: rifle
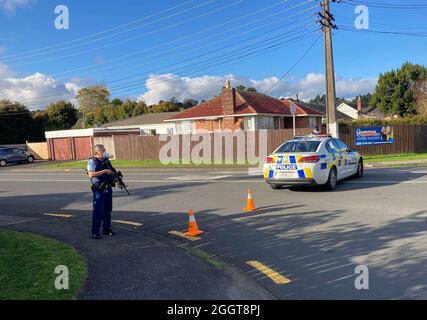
{"type": "Point", "coordinates": [118, 176]}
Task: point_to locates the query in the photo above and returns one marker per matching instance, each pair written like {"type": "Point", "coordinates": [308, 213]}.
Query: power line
{"type": "Point", "coordinates": [218, 59]}
{"type": "Point", "coordinates": [392, 33]}
{"type": "Point", "coordinates": [26, 53]}
{"type": "Point", "coordinates": [213, 51]}
{"type": "Point", "coordinates": [203, 67]}
{"type": "Point", "coordinates": [194, 59]}
{"type": "Point", "coordinates": [131, 38]}
{"type": "Point", "coordinates": [293, 66]}
{"type": "Point", "coordinates": [169, 43]}
{"type": "Point", "coordinates": [382, 25]}
{"type": "Point", "coordinates": [386, 5]}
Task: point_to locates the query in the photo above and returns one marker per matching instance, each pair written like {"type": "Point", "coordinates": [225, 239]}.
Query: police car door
{"type": "Point", "coordinates": [335, 157]}
{"type": "Point", "coordinates": [344, 162]}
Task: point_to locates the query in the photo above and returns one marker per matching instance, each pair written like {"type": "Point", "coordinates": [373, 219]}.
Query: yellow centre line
{"type": "Point", "coordinates": [59, 215]}
{"type": "Point", "coordinates": [131, 223]}
{"type": "Point", "coordinates": [273, 275]}
{"type": "Point", "coordinates": [183, 235]}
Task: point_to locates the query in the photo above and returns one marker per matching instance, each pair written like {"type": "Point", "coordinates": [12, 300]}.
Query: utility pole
{"type": "Point", "coordinates": [327, 26]}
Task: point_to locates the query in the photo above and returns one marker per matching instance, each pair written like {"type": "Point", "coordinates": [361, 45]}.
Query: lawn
{"type": "Point", "coordinates": [27, 267]}
{"type": "Point", "coordinates": [396, 157]}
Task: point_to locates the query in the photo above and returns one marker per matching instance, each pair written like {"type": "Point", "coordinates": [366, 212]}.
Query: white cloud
{"type": "Point", "coordinates": [12, 5]}
{"type": "Point", "coordinates": [4, 71]}
{"type": "Point", "coordinates": [38, 90]}
{"type": "Point", "coordinates": [167, 86]}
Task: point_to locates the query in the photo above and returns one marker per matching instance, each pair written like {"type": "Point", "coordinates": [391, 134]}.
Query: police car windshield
{"type": "Point", "coordinates": [299, 147]}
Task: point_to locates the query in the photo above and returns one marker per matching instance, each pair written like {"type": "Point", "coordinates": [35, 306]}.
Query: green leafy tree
{"type": "Point", "coordinates": [243, 88]}
{"type": "Point", "coordinates": [395, 93]}
{"type": "Point", "coordinates": [188, 103]}
{"type": "Point", "coordinates": [92, 102]}
{"type": "Point", "coordinates": [16, 123]}
{"type": "Point", "coordinates": [61, 115]}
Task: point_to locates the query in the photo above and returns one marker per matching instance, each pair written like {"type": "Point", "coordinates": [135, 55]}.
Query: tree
{"type": "Point", "coordinates": [40, 121]}
{"type": "Point", "coordinates": [61, 115]}
{"type": "Point", "coordinates": [16, 123]}
{"type": "Point", "coordinates": [249, 89]}
{"type": "Point", "coordinates": [92, 102]}
{"type": "Point", "coordinates": [188, 103]}
{"type": "Point", "coordinates": [165, 106]}
{"type": "Point", "coordinates": [395, 93]}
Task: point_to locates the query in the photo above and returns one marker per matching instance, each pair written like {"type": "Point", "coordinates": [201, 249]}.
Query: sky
{"type": "Point", "coordinates": [161, 49]}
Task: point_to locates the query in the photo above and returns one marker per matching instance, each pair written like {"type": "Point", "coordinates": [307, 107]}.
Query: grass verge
{"type": "Point", "coordinates": [27, 267]}
{"type": "Point", "coordinates": [204, 256]}
{"type": "Point", "coordinates": [396, 157]}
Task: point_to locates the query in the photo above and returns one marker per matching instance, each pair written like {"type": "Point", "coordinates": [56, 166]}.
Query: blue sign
{"type": "Point", "coordinates": [374, 135]}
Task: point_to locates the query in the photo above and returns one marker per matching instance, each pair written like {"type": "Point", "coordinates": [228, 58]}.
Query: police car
{"type": "Point", "coordinates": [312, 160]}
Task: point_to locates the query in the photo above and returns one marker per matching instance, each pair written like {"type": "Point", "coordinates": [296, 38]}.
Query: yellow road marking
{"type": "Point", "coordinates": [183, 235]}
{"type": "Point", "coordinates": [273, 275]}
{"type": "Point", "coordinates": [60, 215]}
{"type": "Point", "coordinates": [135, 224]}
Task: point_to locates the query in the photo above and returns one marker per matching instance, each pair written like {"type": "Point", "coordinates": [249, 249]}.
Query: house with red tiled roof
{"type": "Point", "coordinates": [242, 110]}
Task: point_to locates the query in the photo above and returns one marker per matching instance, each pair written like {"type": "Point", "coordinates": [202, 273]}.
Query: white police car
{"type": "Point", "coordinates": [312, 160]}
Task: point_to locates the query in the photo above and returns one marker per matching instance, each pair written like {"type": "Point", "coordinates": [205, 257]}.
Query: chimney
{"type": "Point", "coordinates": [297, 97]}
{"type": "Point", "coordinates": [228, 95]}
{"type": "Point", "coordinates": [359, 106]}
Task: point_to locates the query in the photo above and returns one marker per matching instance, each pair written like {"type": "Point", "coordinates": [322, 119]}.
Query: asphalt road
{"type": "Point", "coordinates": [313, 238]}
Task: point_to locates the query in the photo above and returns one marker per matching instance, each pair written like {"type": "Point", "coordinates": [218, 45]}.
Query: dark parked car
{"type": "Point", "coordinates": [13, 155]}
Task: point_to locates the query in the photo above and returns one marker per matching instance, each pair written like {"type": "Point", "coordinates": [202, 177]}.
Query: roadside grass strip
{"type": "Point", "coordinates": [59, 215]}
{"type": "Point", "coordinates": [273, 275]}
{"type": "Point", "coordinates": [130, 223]}
{"type": "Point", "coordinates": [28, 267]}
{"type": "Point", "coordinates": [183, 235]}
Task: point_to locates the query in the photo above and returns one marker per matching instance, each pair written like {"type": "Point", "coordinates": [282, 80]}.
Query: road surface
{"type": "Point", "coordinates": [313, 239]}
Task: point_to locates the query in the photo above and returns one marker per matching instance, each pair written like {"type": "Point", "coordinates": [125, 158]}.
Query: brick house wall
{"type": "Point", "coordinates": [230, 123]}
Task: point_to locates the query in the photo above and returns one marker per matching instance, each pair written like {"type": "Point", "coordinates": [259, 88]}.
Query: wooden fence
{"type": "Point", "coordinates": [135, 147]}
{"type": "Point", "coordinates": [39, 149]}
{"type": "Point", "coordinates": [408, 139]}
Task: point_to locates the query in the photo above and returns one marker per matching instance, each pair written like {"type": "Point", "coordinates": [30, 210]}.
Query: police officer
{"type": "Point", "coordinates": [101, 176]}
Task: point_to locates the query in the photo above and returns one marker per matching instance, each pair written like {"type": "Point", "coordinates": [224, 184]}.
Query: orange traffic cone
{"type": "Point", "coordinates": [193, 230]}
{"type": "Point", "coordinates": [250, 205]}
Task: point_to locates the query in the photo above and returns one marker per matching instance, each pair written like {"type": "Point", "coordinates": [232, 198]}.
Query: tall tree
{"type": "Point", "coordinates": [395, 93]}
{"type": "Point", "coordinates": [61, 115]}
{"type": "Point", "coordinates": [15, 122]}
{"type": "Point", "coordinates": [92, 101]}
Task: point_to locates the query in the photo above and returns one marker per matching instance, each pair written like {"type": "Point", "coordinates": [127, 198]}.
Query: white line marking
{"type": "Point", "coordinates": [131, 223]}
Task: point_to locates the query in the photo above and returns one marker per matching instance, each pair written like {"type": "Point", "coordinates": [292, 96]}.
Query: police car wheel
{"type": "Point", "coordinates": [332, 179]}
{"type": "Point", "coordinates": [3, 163]}
{"type": "Point", "coordinates": [359, 173]}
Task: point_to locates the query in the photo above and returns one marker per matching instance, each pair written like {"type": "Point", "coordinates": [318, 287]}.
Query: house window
{"type": "Point", "coordinates": [313, 122]}
{"type": "Point", "coordinates": [249, 124]}
{"type": "Point", "coordinates": [264, 123]}
{"type": "Point", "coordinates": [186, 127]}
{"type": "Point", "coordinates": [148, 132]}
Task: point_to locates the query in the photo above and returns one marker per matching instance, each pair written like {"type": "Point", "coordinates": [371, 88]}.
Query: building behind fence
{"type": "Point", "coordinates": [408, 139]}
{"type": "Point", "coordinates": [132, 146]}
